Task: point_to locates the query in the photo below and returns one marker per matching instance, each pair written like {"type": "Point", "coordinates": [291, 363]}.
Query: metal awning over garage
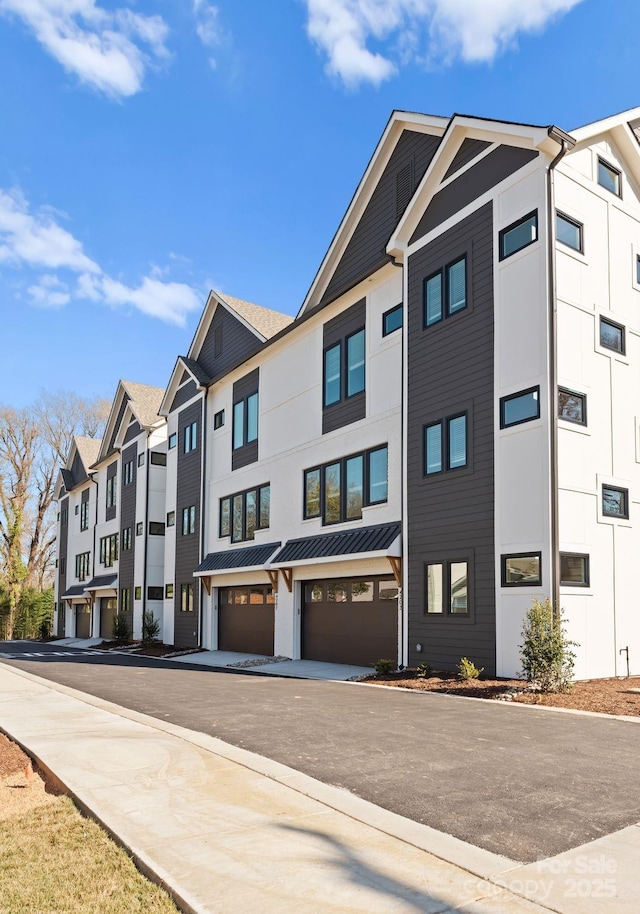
{"type": "Point", "coordinates": [75, 594]}
{"type": "Point", "coordinates": [249, 558]}
{"type": "Point", "coordinates": [107, 582]}
{"type": "Point", "coordinates": [379, 541]}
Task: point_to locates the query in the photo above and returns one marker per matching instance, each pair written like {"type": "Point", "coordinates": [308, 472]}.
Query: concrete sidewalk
{"type": "Point", "coordinates": [228, 830]}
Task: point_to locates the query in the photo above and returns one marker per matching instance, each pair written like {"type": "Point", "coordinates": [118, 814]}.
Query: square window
{"type": "Point", "coordinates": [218, 419]}
{"type": "Point", "coordinates": [612, 336]}
{"type": "Point", "coordinates": [615, 502]}
{"type": "Point", "coordinates": [392, 320]}
{"type": "Point", "coordinates": [572, 406]}
{"type": "Point", "coordinates": [574, 569]}
{"type": "Point", "coordinates": [158, 459]}
{"type": "Point", "coordinates": [522, 569]}
{"type": "Point", "coordinates": [173, 440]}
{"type": "Point", "coordinates": [171, 518]}
{"type": "Point", "coordinates": [609, 177]}
{"type": "Point", "coordinates": [519, 235]}
{"type": "Point", "coordinates": [433, 448]}
{"type": "Point", "coordinates": [523, 406]}
{"type": "Point", "coordinates": [569, 232]}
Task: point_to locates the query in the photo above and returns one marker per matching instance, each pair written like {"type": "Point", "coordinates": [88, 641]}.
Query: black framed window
{"type": "Point", "coordinates": [171, 518]}
{"type": "Point", "coordinates": [112, 491]}
{"type": "Point", "coordinates": [126, 539]}
{"type": "Point", "coordinates": [168, 591]}
{"type": "Point", "coordinates": [109, 549]}
{"type": "Point", "coordinates": [574, 569]}
{"type": "Point", "coordinates": [615, 501]}
{"type": "Point", "coordinates": [125, 599]}
{"type": "Point", "coordinates": [612, 336]}
{"type": "Point", "coordinates": [447, 585]}
{"type": "Point", "coordinates": [83, 565]}
{"type": "Point", "coordinates": [518, 235]}
{"type": "Point", "coordinates": [445, 444]}
{"type": "Point", "coordinates": [127, 473]}
{"type": "Point", "coordinates": [137, 593]}
{"type": "Point", "coordinates": [523, 406]}
{"type": "Point", "coordinates": [190, 437]}
{"type": "Point", "coordinates": [173, 440]}
{"type": "Point", "coordinates": [155, 593]}
{"type": "Point", "coordinates": [245, 512]}
{"type": "Point", "coordinates": [158, 458]}
{"type": "Point", "coordinates": [156, 528]}
{"type": "Point", "coordinates": [84, 515]}
{"type": "Point", "coordinates": [339, 490]}
{"type": "Point", "coordinates": [245, 421]}
{"type": "Point", "coordinates": [189, 520]}
{"type": "Point", "coordinates": [218, 419]}
{"type": "Point", "coordinates": [141, 459]}
{"type": "Point", "coordinates": [522, 569]}
{"type": "Point", "coordinates": [572, 406]}
{"type": "Point", "coordinates": [139, 528]}
{"type": "Point", "coordinates": [609, 177]}
{"type": "Point", "coordinates": [638, 269]}
{"type": "Point", "coordinates": [344, 368]}
{"type": "Point", "coordinates": [569, 232]}
{"type": "Point", "coordinates": [445, 292]}
{"type": "Point", "coordinates": [392, 320]}
{"type": "Point", "coordinates": [186, 598]}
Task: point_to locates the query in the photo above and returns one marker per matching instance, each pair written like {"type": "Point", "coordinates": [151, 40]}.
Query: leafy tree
{"type": "Point", "coordinates": [546, 652]}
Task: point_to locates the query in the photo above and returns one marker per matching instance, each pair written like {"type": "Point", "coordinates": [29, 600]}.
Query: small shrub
{"type": "Point", "coordinates": [121, 630]}
{"type": "Point", "coordinates": [150, 627]}
{"type": "Point", "coordinates": [468, 670]}
{"type": "Point", "coordinates": [46, 626]}
{"type": "Point", "coordinates": [423, 671]}
{"type": "Point", "coordinates": [384, 667]}
{"type": "Point", "coordinates": [546, 652]}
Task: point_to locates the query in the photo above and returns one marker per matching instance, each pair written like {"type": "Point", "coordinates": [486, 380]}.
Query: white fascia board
{"type": "Point", "coordinates": [128, 414]}
{"type": "Point", "coordinates": [434, 126]}
{"type": "Point", "coordinates": [239, 317]}
{"type": "Point", "coordinates": [172, 389]}
{"type": "Point", "coordinates": [111, 421]}
{"type": "Point", "coordinates": [461, 128]}
{"type": "Point", "coordinates": [57, 492]}
{"type": "Point", "coordinates": [590, 132]}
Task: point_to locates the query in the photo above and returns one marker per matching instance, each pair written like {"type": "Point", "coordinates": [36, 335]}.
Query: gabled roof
{"type": "Point", "coordinates": [266, 321]}
{"type": "Point", "coordinates": [195, 369]}
{"type": "Point", "coordinates": [623, 130]}
{"type": "Point", "coordinates": [145, 402]}
{"type": "Point", "coordinates": [140, 400]}
{"type": "Point", "coordinates": [88, 449]}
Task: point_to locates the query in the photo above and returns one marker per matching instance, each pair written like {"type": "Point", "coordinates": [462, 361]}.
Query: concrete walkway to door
{"type": "Point", "coordinates": [299, 669]}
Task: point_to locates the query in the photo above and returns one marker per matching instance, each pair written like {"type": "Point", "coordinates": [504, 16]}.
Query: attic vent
{"type": "Point", "coordinates": [404, 187]}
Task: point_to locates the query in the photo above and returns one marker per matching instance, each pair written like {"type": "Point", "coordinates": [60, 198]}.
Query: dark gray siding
{"type": "Point", "coordinates": [477, 180]}
{"type": "Point", "coordinates": [365, 252]}
{"type": "Point", "coordinates": [188, 547]}
{"type": "Point", "coordinates": [241, 389]}
{"type": "Point", "coordinates": [468, 151]}
{"type": "Point", "coordinates": [112, 470]}
{"type": "Point", "coordinates": [450, 369]}
{"type": "Point", "coordinates": [77, 470]}
{"type": "Point", "coordinates": [354, 408]}
{"type": "Point", "coordinates": [183, 395]}
{"type": "Point", "coordinates": [185, 377]}
{"type": "Point", "coordinates": [116, 427]}
{"type": "Point", "coordinates": [132, 432]}
{"type": "Point", "coordinates": [63, 551]}
{"type": "Point", "coordinates": [128, 519]}
{"type": "Point", "coordinates": [228, 343]}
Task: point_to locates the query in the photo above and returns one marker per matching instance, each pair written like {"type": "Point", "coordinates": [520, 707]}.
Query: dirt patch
{"type": "Point", "coordinates": [22, 787]}
{"type": "Point", "coordinates": [154, 649]}
{"type": "Point", "coordinates": [12, 758]}
{"type": "Point", "coordinates": [607, 696]}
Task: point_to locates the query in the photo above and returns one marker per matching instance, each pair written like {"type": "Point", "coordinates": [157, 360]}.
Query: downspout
{"type": "Point", "coordinates": [93, 555]}
{"type": "Point", "coordinates": [145, 538]}
{"type": "Point", "coordinates": [203, 470]}
{"type": "Point", "coordinates": [403, 648]}
{"type": "Point", "coordinates": [565, 143]}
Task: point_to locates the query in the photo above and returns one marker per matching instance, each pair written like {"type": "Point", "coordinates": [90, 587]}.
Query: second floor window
{"type": "Point", "coordinates": [245, 512]}
{"type": "Point", "coordinates": [344, 368]}
{"type": "Point", "coordinates": [127, 473]}
{"type": "Point", "coordinates": [126, 539]}
{"type": "Point", "coordinates": [445, 444]}
{"type": "Point", "coordinates": [84, 515]}
{"type": "Point", "coordinates": [82, 566]}
{"type": "Point", "coordinates": [338, 491]}
{"type": "Point", "coordinates": [245, 421]}
{"type": "Point", "coordinates": [190, 437]}
{"type": "Point", "coordinates": [445, 292]}
{"type": "Point", "coordinates": [189, 520]}
{"type": "Point", "coordinates": [109, 549]}
{"type": "Point", "coordinates": [112, 491]}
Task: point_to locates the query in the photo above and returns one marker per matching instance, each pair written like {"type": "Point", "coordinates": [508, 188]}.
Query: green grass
{"type": "Point", "coordinates": [55, 861]}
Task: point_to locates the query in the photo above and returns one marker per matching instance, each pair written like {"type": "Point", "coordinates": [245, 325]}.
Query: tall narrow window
{"type": "Point", "coordinates": [186, 598]}
{"type": "Point", "coordinates": [354, 486]}
{"type": "Point", "coordinates": [190, 437]}
{"type": "Point", "coordinates": [433, 448]}
{"type": "Point", "coordinates": [252, 418]}
{"type": "Point", "coordinates": [457, 286]}
{"type": "Point", "coordinates": [332, 493]}
{"type": "Point", "coordinates": [434, 602]}
{"type": "Point", "coordinates": [355, 363]}
{"type": "Point", "coordinates": [189, 520]}
{"type": "Point", "coordinates": [433, 300]}
{"type": "Point", "coordinates": [458, 602]}
{"type": "Point", "coordinates": [312, 493]}
{"type": "Point", "coordinates": [457, 445]}
{"type": "Point", "coordinates": [609, 177]}
{"type": "Point", "coordinates": [378, 475]}
{"type": "Point", "coordinates": [332, 385]}
{"type": "Point", "coordinates": [245, 421]}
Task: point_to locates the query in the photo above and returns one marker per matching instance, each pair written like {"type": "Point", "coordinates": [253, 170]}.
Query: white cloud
{"type": "Point", "coordinates": [36, 242]}
{"type": "Point", "coordinates": [475, 31]}
{"type": "Point", "coordinates": [208, 27]}
{"type": "Point", "coordinates": [101, 47]}
{"type": "Point", "coordinates": [49, 292]}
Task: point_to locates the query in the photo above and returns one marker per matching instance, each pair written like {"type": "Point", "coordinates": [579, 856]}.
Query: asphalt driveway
{"type": "Point", "coordinates": [519, 781]}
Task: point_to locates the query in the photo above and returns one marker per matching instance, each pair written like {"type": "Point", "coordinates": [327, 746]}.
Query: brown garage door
{"type": "Point", "coordinates": [350, 621]}
{"type": "Point", "coordinates": [245, 619]}
{"type": "Point", "coordinates": [108, 610]}
{"type": "Point", "coordinates": [83, 621]}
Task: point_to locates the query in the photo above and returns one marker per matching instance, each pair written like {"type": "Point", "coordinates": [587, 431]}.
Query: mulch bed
{"type": "Point", "coordinates": [12, 758]}
{"type": "Point", "coordinates": [607, 696]}
{"type": "Point", "coordinates": [153, 649]}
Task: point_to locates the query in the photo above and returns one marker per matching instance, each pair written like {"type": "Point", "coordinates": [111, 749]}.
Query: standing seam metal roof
{"type": "Point", "coordinates": [345, 542]}
{"type": "Point", "coordinates": [238, 558]}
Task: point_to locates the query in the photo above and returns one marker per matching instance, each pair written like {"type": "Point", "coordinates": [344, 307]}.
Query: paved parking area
{"type": "Point", "coordinates": [520, 781]}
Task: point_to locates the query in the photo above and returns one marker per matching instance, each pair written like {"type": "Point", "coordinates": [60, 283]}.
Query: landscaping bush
{"type": "Point", "coordinates": [150, 627]}
{"type": "Point", "coordinates": [546, 652]}
{"type": "Point", "coordinates": [423, 671]}
{"type": "Point", "coordinates": [468, 670]}
{"type": "Point", "coordinates": [121, 630]}
{"type": "Point", "coordinates": [384, 667]}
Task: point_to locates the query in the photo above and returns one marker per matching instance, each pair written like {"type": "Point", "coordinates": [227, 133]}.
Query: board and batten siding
{"type": "Point", "coordinates": [188, 547]}
{"type": "Point", "coordinates": [126, 563]}
{"type": "Point", "coordinates": [228, 343]}
{"type": "Point", "coordinates": [451, 515]}
{"type": "Point", "coordinates": [366, 250]}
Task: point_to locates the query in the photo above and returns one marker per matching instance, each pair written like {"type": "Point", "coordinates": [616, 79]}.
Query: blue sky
{"type": "Point", "coordinates": [152, 150]}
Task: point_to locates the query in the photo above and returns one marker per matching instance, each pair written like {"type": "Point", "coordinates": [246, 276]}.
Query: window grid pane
{"type": "Point", "coordinates": [457, 286]}
{"type": "Point", "coordinates": [355, 363]}
{"type": "Point", "coordinates": [332, 506]}
{"type": "Point", "coordinates": [433, 300]}
{"type": "Point", "coordinates": [378, 475]}
{"type": "Point", "coordinates": [458, 602]}
{"type": "Point", "coordinates": [238, 424]}
{"type": "Point", "coordinates": [457, 442]}
{"type": "Point", "coordinates": [332, 359]}
{"type": "Point", "coordinates": [434, 589]}
{"type": "Point", "coordinates": [433, 448]}
{"type": "Point", "coordinates": [252, 418]}
{"type": "Point", "coordinates": [355, 481]}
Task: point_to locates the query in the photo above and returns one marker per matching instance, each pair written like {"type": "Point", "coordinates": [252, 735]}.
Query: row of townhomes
{"type": "Point", "coordinates": [449, 427]}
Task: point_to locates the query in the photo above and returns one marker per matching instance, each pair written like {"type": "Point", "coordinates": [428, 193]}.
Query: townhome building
{"type": "Point", "coordinates": [448, 429]}
{"type": "Point", "coordinates": [113, 492]}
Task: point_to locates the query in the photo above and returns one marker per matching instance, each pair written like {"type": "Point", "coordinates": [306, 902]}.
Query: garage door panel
{"type": "Point", "coordinates": [108, 610]}
{"type": "Point", "coordinates": [244, 624]}
{"type": "Point", "coordinates": [83, 622]}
